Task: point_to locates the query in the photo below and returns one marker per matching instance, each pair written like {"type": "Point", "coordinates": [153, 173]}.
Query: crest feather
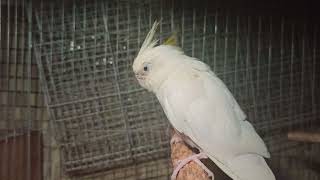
{"type": "Point", "coordinates": [149, 42]}
{"type": "Point", "coordinates": [172, 40]}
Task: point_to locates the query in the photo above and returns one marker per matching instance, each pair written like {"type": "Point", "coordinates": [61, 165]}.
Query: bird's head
{"type": "Point", "coordinates": [154, 63]}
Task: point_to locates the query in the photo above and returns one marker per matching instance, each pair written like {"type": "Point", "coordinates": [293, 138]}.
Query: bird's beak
{"type": "Point", "coordinates": [140, 76]}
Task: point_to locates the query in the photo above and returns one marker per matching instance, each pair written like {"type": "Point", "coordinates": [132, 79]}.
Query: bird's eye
{"type": "Point", "coordinates": [146, 67]}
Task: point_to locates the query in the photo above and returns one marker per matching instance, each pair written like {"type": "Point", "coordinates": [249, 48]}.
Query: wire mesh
{"type": "Point", "coordinates": [103, 119]}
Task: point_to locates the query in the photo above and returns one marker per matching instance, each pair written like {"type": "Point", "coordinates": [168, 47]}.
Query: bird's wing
{"type": "Point", "coordinates": [232, 144]}
{"type": "Point", "coordinates": [202, 107]}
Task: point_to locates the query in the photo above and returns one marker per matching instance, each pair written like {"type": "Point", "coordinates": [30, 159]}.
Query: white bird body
{"type": "Point", "coordinates": [200, 106]}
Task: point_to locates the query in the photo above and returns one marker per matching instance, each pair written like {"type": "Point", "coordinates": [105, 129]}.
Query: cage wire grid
{"type": "Point", "coordinates": [122, 129]}
{"type": "Point", "coordinates": [103, 119]}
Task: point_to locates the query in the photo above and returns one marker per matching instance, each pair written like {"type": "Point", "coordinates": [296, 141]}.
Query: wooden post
{"type": "Point", "coordinates": [304, 136]}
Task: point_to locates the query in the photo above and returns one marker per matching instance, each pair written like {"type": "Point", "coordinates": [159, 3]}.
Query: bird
{"type": "Point", "coordinates": [201, 109]}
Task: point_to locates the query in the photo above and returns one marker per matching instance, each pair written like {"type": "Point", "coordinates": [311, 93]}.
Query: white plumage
{"type": "Point", "coordinates": [199, 105]}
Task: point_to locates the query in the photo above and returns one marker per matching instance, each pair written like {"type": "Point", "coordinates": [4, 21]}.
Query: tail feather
{"type": "Point", "coordinates": [251, 167]}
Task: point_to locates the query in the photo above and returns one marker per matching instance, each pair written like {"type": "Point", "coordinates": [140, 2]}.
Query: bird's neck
{"type": "Point", "coordinates": [161, 77]}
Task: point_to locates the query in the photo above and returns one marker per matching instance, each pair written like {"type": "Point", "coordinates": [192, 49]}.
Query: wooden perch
{"type": "Point", "coordinates": [191, 171]}
{"type": "Point", "coordinates": [304, 136]}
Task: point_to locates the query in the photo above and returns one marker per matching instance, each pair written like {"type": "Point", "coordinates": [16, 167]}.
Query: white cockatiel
{"type": "Point", "coordinates": [200, 106]}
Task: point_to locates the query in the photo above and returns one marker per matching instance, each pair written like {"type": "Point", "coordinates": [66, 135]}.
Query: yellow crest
{"type": "Point", "coordinates": [172, 40]}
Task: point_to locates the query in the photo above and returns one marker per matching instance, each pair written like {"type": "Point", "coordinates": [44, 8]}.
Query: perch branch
{"type": "Point", "coordinates": [304, 136]}
{"type": "Point", "coordinates": [191, 171]}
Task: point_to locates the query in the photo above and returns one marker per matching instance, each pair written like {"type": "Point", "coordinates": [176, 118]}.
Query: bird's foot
{"type": "Point", "coordinates": [196, 158]}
